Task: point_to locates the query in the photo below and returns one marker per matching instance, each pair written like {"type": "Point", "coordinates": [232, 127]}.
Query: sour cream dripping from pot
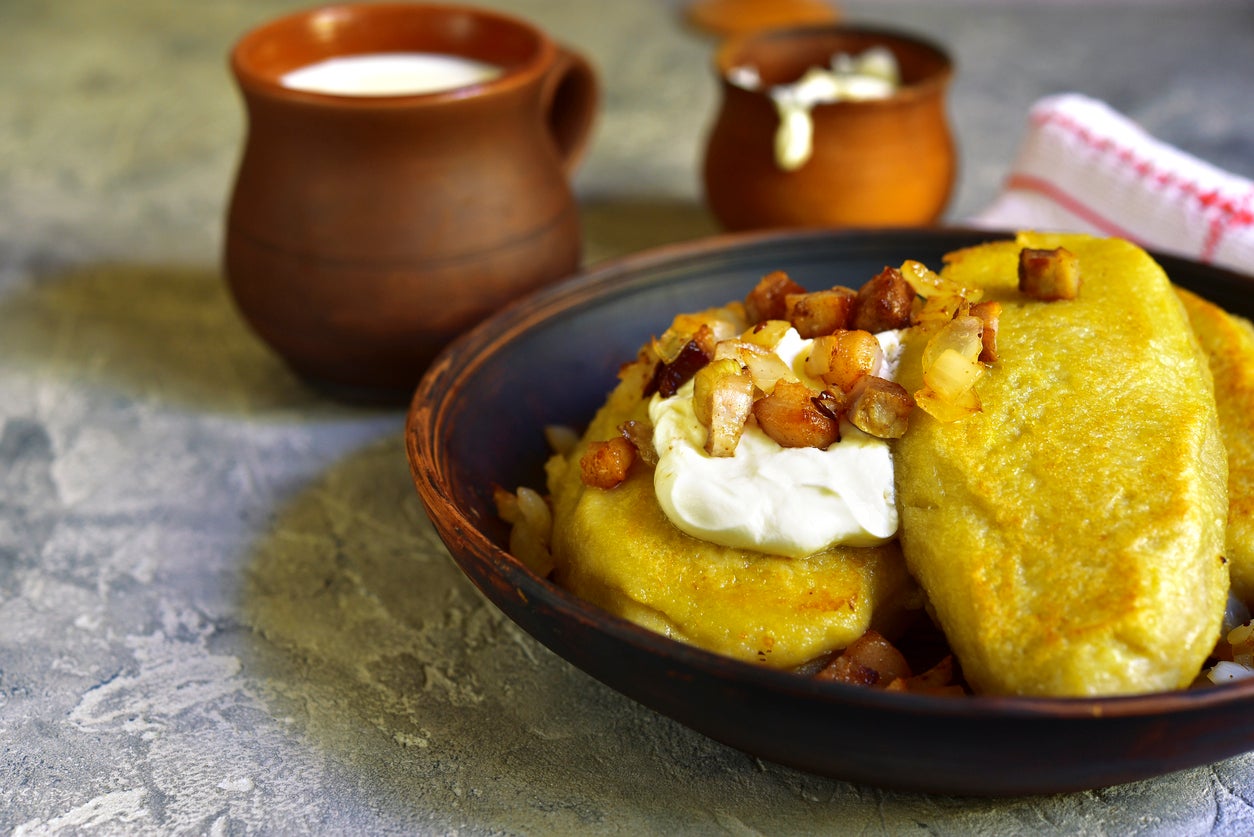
{"type": "Point", "coordinates": [871, 75]}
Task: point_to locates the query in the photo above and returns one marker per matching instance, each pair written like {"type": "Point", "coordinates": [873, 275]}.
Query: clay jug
{"type": "Point", "coordinates": [365, 232]}
{"type": "Point", "coordinates": [873, 163]}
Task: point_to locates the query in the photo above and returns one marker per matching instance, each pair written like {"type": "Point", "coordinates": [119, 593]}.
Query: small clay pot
{"type": "Point", "coordinates": [734, 17]}
{"type": "Point", "coordinates": [365, 232]}
{"type": "Point", "coordinates": [875, 163]}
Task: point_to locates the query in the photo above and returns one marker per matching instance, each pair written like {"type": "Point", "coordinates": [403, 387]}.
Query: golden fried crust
{"type": "Point", "coordinates": [616, 549]}
{"type": "Point", "coordinates": [1069, 536]}
{"type": "Point", "coordinates": [1228, 342]}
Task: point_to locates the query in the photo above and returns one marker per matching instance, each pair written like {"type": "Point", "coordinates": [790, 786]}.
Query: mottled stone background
{"type": "Point", "coordinates": [222, 608]}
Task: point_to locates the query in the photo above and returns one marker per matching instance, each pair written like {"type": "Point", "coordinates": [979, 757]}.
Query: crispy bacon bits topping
{"type": "Point", "coordinates": [884, 303]}
{"type": "Point", "coordinates": [737, 378]}
{"type": "Point", "coordinates": [880, 407]}
{"type": "Point", "coordinates": [606, 464]}
{"type": "Point", "coordinates": [844, 358]}
{"type": "Point", "coordinates": [874, 662]}
{"type": "Point", "coordinates": [821, 312]}
{"type": "Point", "coordinates": [768, 299]}
{"type": "Point", "coordinates": [790, 416]}
{"type": "Point", "coordinates": [1049, 275]}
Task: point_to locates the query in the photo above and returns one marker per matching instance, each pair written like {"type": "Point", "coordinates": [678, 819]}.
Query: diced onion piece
{"type": "Point", "coordinates": [535, 511]}
{"type": "Point", "coordinates": [1241, 640]}
{"type": "Point", "coordinates": [951, 367]}
{"type": "Point", "coordinates": [928, 283]}
{"type": "Point", "coordinates": [938, 310]}
{"type": "Point", "coordinates": [704, 383]}
{"type": "Point", "coordinates": [818, 361]}
{"type": "Point", "coordinates": [820, 312]}
{"type": "Point", "coordinates": [767, 333]}
{"type": "Point", "coordinates": [506, 505]}
{"type": "Point", "coordinates": [640, 434]}
{"type": "Point", "coordinates": [765, 367]}
{"type": "Point", "coordinates": [723, 401]}
{"type": "Point", "coordinates": [531, 527]}
{"type": "Point", "coordinates": [881, 408]}
{"type": "Point", "coordinates": [1228, 672]}
{"type": "Point", "coordinates": [1049, 275]}
{"type": "Point", "coordinates": [961, 334]}
{"type": "Point", "coordinates": [950, 375]}
{"type": "Point", "coordinates": [790, 416]}
{"type": "Point", "coordinates": [525, 545]}
{"type": "Point", "coordinates": [561, 438]}
{"type": "Point", "coordinates": [696, 353]}
{"type": "Point", "coordinates": [946, 410]}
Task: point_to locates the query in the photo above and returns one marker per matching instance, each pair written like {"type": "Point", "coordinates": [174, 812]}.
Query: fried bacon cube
{"type": "Point", "coordinates": [874, 662]}
{"type": "Point", "coordinates": [791, 417]}
{"type": "Point", "coordinates": [606, 464]}
{"type": "Point", "coordinates": [880, 407]}
{"type": "Point", "coordinates": [870, 660]}
{"type": "Point", "coordinates": [821, 312]}
{"type": "Point", "coordinates": [884, 302]}
{"type": "Point", "coordinates": [1049, 275]}
{"type": "Point", "coordinates": [842, 359]}
{"type": "Point", "coordinates": [767, 299]}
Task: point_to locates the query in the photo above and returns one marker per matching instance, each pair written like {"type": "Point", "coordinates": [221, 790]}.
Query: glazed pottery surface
{"type": "Point", "coordinates": [365, 232]}
{"type": "Point", "coordinates": [551, 360]}
{"type": "Point", "coordinates": [875, 163]}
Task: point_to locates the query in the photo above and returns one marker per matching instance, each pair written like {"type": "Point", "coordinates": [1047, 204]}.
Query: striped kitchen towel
{"type": "Point", "coordinates": [1083, 167]}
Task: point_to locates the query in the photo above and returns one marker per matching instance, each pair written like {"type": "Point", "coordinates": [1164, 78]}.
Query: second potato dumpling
{"type": "Point", "coordinates": [1070, 534]}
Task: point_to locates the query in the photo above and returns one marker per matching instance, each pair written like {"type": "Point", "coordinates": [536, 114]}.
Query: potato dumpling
{"type": "Point", "coordinates": [1070, 534]}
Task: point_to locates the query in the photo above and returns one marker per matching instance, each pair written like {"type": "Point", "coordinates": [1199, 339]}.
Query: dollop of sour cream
{"type": "Point", "coordinates": [873, 74]}
{"type": "Point", "coordinates": [767, 498]}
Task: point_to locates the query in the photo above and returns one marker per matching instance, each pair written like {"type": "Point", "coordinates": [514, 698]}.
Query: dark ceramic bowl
{"type": "Point", "coordinates": [476, 421]}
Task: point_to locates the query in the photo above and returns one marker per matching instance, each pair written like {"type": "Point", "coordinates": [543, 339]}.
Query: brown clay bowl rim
{"type": "Point", "coordinates": [430, 468]}
{"type": "Point", "coordinates": [733, 46]}
{"type": "Point", "coordinates": [260, 84]}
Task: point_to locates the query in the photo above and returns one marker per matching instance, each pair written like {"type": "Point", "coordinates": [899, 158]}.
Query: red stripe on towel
{"type": "Point", "coordinates": [1051, 190]}
{"type": "Point", "coordinates": [1226, 212]}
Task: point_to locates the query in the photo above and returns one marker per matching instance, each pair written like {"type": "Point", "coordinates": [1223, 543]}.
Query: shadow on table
{"type": "Point", "coordinates": [425, 698]}
{"type": "Point", "coordinates": [171, 333]}
{"type": "Point", "coordinates": [388, 660]}
{"type": "Point", "coordinates": [432, 709]}
{"type": "Point", "coordinates": [620, 227]}
{"type": "Point", "coordinates": [149, 332]}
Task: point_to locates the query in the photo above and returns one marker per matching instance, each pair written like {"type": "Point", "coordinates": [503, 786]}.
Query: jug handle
{"type": "Point", "coordinates": [571, 96]}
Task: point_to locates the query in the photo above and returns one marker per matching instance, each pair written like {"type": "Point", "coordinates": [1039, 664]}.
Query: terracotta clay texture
{"type": "Point", "coordinates": [877, 163]}
{"type": "Point", "coordinates": [733, 17]}
{"type": "Point", "coordinates": [365, 232]}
